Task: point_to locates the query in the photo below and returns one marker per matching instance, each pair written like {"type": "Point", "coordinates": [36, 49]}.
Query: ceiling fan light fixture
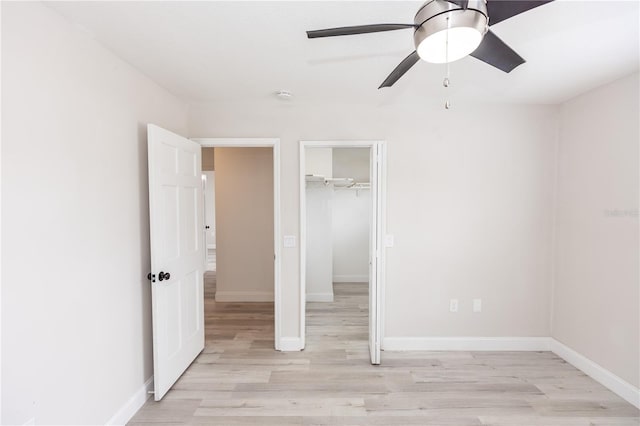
{"type": "Point", "coordinates": [461, 42]}
{"type": "Point", "coordinates": [447, 30]}
{"type": "Point", "coordinates": [447, 33]}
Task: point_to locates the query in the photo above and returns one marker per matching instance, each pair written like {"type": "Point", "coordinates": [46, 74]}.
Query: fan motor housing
{"type": "Point", "coordinates": [438, 15]}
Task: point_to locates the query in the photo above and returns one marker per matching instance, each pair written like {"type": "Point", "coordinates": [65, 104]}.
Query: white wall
{"type": "Point", "coordinates": [244, 220]}
{"type": "Point", "coordinates": [319, 207]}
{"type": "Point", "coordinates": [351, 163]}
{"type": "Point", "coordinates": [596, 308]}
{"type": "Point", "coordinates": [351, 216]}
{"type": "Point", "coordinates": [469, 203]}
{"type": "Point", "coordinates": [350, 234]}
{"type": "Point", "coordinates": [76, 332]}
{"type": "Point", "coordinates": [318, 161]}
{"type": "Point", "coordinates": [319, 260]}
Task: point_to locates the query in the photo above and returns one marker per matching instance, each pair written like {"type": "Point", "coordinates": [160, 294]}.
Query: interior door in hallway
{"type": "Point", "coordinates": [177, 254]}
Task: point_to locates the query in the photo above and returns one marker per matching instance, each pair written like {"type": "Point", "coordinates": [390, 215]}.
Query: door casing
{"type": "Point", "coordinates": [381, 213]}
{"type": "Point", "coordinates": [273, 143]}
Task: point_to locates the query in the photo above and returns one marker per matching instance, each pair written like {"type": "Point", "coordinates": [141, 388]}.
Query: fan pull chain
{"type": "Point", "coordinates": [446, 81]}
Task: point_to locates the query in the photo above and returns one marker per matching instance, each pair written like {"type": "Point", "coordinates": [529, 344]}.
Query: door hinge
{"type": "Point", "coordinates": [151, 277]}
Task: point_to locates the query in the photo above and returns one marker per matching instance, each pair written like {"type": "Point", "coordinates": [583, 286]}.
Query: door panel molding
{"type": "Point", "coordinates": [177, 248]}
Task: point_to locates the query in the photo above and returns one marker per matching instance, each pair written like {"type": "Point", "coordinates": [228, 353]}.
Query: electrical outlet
{"type": "Point", "coordinates": [453, 305]}
{"type": "Point", "coordinates": [477, 305]}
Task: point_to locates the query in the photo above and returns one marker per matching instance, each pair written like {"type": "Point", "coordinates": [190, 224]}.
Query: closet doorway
{"type": "Point", "coordinates": [342, 196]}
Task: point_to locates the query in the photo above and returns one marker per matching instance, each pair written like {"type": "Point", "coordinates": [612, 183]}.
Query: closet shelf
{"type": "Point", "coordinates": [358, 185]}
{"type": "Point", "coordinates": [336, 182]}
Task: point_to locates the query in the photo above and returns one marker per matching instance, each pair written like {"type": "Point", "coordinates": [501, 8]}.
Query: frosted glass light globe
{"type": "Point", "coordinates": [462, 41]}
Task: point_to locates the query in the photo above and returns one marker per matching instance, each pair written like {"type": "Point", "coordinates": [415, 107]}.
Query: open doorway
{"type": "Point", "coordinates": [209, 194]}
{"type": "Point", "coordinates": [341, 199]}
{"type": "Point", "coordinates": [241, 279]}
{"type": "Point", "coordinates": [177, 241]}
{"type": "Point", "coordinates": [338, 205]}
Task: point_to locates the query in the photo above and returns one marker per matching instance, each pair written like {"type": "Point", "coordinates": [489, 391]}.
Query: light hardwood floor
{"type": "Point", "coordinates": [240, 380]}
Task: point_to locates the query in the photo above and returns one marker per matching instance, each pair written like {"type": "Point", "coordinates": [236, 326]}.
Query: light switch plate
{"type": "Point", "coordinates": [388, 240]}
{"type": "Point", "coordinates": [453, 305]}
{"type": "Point", "coordinates": [289, 241]}
{"type": "Point", "coordinates": [477, 305]}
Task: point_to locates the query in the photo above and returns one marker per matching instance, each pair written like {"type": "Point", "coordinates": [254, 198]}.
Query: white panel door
{"type": "Point", "coordinates": [177, 254]}
{"type": "Point", "coordinates": [374, 250]}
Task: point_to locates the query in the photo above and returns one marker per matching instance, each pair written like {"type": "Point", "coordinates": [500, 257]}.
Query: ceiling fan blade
{"type": "Point", "coordinates": [358, 29]}
{"type": "Point", "coordinates": [495, 52]}
{"type": "Point", "coordinates": [499, 10]}
{"type": "Point", "coordinates": [400, 70]}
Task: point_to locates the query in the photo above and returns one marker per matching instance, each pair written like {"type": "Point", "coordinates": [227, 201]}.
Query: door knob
{"type": "Point", "coordinates": [207, 227]}
{"type": "Point", "coordinates": [163, 276]}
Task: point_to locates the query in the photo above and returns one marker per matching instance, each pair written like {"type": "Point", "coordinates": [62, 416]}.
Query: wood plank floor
{"type": "Point", "coordinates": [240, 380]}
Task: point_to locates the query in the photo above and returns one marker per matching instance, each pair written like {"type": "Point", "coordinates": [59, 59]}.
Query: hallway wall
{"type": "Point", "coordinates": [244, 221]}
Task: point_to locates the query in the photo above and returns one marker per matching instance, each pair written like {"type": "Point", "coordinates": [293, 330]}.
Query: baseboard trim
{"type": "Point", "coordinates": [131, 407]}
{"type": "Point", "coordinates": [620, 387]}
{"type": "Point", "coordinates": [319, 297]}
{"type": "Point", "coordinates": [244, 296]}
{"type": "Point", "coordinates": [289, 344]}
{"type": "Point", "coordinates": [615, 384]}
{"type": "Point", "coordinates": [465, 343]}
{"type": "Point", "coordinates": [351, 278]}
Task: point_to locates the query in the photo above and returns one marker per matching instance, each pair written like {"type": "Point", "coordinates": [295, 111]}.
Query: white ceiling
{"type": "Point", "coordinates": [245, 51]}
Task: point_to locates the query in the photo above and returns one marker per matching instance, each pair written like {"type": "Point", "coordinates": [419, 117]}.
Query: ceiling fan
{"type": "Point", "coordinates": [448, 30]}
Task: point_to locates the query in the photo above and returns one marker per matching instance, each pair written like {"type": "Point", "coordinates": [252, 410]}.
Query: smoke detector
{"type": "Point", "coordinates": [283, 95]}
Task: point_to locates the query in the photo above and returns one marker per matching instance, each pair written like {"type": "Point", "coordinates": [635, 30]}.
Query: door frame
{"type": "Point", "coordinates": [381, 213]}
{"type": "Point", "coordinates": [273, 143]}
